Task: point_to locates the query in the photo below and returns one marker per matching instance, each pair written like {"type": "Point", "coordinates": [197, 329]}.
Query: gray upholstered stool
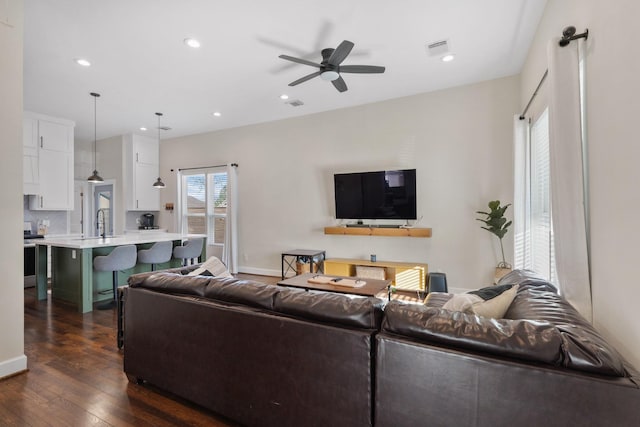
{"type": "Point", "coordinates": [120, 258]}
{"type": "Point", "coordinates": [190, 249]}
{"type": "Point", "coordinates": [157, 254]}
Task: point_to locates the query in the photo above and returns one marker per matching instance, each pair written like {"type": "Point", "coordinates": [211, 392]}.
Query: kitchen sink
{"type": "Point", "coordinates": [99, 237]}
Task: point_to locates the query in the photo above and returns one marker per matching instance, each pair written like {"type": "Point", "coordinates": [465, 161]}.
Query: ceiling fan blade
{"type": "Point", "coordinates": [340, 84]}
{"type": "Point", "coordinates": [361, 69]}
{"type": "Point", "coordinates": [305, 78]}
{"type": "Point", "coordinates": [341, 52]}
{"type": "Point", "coordinates": [300, 61]}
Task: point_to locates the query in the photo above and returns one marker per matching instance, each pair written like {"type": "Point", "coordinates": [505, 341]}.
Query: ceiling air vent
{"type": "Point", "coordinates": [438, 48]}
{"type": "Point", "coordinates": [295, 103]}
{"type": "Point", "coordinates": [164, 128]}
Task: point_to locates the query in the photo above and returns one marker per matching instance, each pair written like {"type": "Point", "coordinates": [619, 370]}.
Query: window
{"type": "Point", "coordinates": [204, 204]}
{"type": "Point", "coordinates": [534, 247]}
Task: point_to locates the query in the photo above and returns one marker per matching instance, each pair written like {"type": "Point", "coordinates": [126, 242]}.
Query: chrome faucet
{"type": "Point", "coordinates": [101, 223]}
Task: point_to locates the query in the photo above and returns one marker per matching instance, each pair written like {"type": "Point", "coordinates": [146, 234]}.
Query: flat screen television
{"type": "Point", "coordinates": [376, 195]}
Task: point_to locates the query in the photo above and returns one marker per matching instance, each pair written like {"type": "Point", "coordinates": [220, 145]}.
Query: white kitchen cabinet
{"type": "Point", "coordinates": [55, 136]}
{"type": "Point", "coordinates": [142, 169]}
{"type": "Point", "coordinates": [31, 174]}
{"type": "Point", "coordinates": [52, 167]}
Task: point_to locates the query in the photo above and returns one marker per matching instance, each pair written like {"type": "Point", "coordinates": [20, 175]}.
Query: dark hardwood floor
{"type": "Point", "coordinates": [75, 375]}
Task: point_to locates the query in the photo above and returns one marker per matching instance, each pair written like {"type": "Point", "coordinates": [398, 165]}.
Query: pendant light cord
{"type": "Point", "coordinates": [159, 115]}
{"type": "Point", "coordinates": [95, 127]}
{"type": "Point", "coordinates": [95, 132]}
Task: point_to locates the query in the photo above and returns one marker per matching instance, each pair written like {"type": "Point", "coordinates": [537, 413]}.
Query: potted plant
{"type": "Point", "coordinates": [496, 223]}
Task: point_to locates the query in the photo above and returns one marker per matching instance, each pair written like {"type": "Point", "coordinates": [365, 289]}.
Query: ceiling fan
{"type": "Point", "coordinates": [330, 68]}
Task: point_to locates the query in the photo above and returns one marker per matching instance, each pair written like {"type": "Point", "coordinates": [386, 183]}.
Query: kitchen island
{"type": "Point", "coordinates": [73, 278]}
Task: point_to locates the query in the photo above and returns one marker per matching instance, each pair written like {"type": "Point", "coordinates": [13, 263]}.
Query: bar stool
{"type": "Point", "coordinates": [190, 249]}
{"type": "Point", "coordinates": [120, 258]}
{"type": "Point", "coordinates": [159, 253]}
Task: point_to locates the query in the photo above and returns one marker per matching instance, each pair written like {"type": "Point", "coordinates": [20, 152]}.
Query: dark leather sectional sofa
{"type": "Point", "coordinates": [265, 355]}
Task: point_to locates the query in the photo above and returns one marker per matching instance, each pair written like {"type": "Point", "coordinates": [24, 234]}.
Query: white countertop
{"type": "Point", "coordinates": [125, 239]}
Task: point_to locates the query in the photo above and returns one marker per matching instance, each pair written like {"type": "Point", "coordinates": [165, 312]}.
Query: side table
{"type": "Point", "coordinates": [314, 257]}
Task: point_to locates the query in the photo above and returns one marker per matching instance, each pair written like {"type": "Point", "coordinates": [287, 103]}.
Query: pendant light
{"type": "Point", "coordinates": [158, 183]}
{"type": "Point", "coordinates": [95, 177]}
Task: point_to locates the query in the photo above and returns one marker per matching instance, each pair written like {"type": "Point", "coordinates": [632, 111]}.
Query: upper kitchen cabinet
{"type": "Point", "coordinates": [48, 175]}
{"type": "Point", "coordinates": [30, 171]}
{"type": "Point", "coordinates": [142, 158]}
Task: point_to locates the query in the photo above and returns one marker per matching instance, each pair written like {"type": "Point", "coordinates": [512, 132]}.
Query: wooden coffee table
{"type": "Point", "coordinates": [371, 288]}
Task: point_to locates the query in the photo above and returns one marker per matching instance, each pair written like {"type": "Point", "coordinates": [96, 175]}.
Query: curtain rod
{"type": "Point", "coordinates": [535, 92]}
{"type": "Point", "coordinates": [235, 165]}
{"type": "Point", "coordinates": [568, 35]}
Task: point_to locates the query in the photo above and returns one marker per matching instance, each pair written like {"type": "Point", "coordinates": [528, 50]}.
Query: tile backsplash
{"type": "Point", "coordinates": [132, 217]}
{"type": "Point", "coordinates": [58, 223]}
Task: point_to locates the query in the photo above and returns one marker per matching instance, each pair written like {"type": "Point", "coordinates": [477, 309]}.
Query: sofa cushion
{"type": "Point", "coordinates": [361, 312]}
{"type": "Point", "coordinates": [172, 283]}
{"type": "Point", "coordinates": [521, 339]}
{"type": "Point", "coordinates": [138, 278]}
{"type": "Point", "coordinates": [238, 291]}
{"type": "Point", "coordinates": [526, 278]}
{"type": "Point", "coordinates": [248, 292]}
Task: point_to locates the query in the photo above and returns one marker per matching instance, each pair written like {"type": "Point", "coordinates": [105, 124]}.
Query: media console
{"type": "Point", "coordinates": [403, 275]}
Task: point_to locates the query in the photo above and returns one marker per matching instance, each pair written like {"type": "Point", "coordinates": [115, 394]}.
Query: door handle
{"type": "Point", "coordinates": [41, 142]}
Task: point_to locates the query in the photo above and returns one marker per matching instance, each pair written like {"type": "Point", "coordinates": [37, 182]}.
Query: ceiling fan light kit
{"type": "Point", "coordinates": [329, 76]}
{"type": "Point", "coordinates": [329, 69]}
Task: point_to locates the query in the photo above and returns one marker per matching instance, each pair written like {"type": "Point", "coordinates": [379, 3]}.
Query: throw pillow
{"type": "Point", "coordinates": [496, 306]}
{"type": "Point", "coordinates": [213, 266]}
{"type": "Point", "coordinates": [490, 291]}
{"type": "Point", "coordinates": [462, 302]}
{"type": "Point", "coordinates": [492, 301]}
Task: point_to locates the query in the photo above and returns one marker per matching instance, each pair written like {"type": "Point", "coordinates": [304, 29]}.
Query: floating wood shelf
{"type": "Point", "coordinates": [379, 231]}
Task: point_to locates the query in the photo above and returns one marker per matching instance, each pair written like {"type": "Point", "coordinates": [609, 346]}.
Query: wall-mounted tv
{"type": "Point", "coordinates": [376, 195]}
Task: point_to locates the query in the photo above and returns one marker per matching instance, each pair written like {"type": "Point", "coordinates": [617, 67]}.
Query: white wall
{"type": "Point", "coordinates": [613, 108]}
{"type": "Point", "coordinates": [109, 157]}
{"type": "Point", "coordinates": [459, 140]}
{"type": "Point", "coordinates": [12, 358]}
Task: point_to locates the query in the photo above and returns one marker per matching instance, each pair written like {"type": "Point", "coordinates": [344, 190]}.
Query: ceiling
{"type": "Point", "coordinates": [140, 64]}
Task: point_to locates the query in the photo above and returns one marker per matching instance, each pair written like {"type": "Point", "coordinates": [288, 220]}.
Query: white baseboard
{"type": "Point", "coordinates": [13, 366]}
{"type": "Point", "coordinates": [259, 271]}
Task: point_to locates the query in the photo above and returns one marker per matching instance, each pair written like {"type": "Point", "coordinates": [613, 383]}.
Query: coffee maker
{"type": "Point", "coordinates": [147, 222]}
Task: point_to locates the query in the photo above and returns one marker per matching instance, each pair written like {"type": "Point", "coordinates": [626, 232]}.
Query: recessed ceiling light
{"type": "Point", "coordinates": [143, 128]}
{"type": "Point", "coordinates": [192, 42]}
{"type": "Point", "coordinates": [217, 114]}
{"type": "Point", "coordinates": [284, 96]}
{"type": "Point", "coordinates": [448, 58]}
{"type": "Point", "coordinates": [83, 62]}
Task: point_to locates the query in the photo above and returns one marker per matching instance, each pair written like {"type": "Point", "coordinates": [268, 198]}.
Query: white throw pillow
{"type": "Point", "coordinates": [462, 302]}
{"type": "Point", "coordinates": [214, 266]}
{"type": "Point", "coordinates": [495, 307]}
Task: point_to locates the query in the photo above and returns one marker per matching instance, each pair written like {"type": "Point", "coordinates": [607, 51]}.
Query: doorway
{"type": "Point", "coordinates": [103, 207]}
